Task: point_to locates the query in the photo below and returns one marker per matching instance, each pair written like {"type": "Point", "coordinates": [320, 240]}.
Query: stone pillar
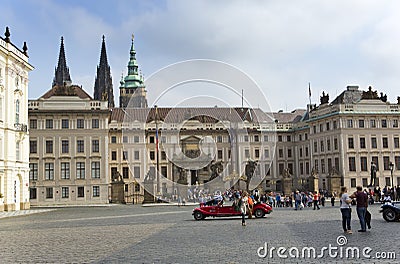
{"type": "Point", "coordinates": [334, 183]}
{"type": "Point", "coordinates": [313, 183]}
{"type": "Point", "coordinates": [287, 186]}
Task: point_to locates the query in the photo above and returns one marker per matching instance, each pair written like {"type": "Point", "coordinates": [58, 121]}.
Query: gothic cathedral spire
{"type": "Point", "coordinates": [103, 86]}
{"type": "Point", "coordinates": [61, 75]}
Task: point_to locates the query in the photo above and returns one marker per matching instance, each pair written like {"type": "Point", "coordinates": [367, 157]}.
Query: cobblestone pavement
{"type": "Point", "coordinates": [135, 234]}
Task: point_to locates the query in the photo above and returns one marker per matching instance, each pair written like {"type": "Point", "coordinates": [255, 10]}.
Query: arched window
{"type": "Point", "coordinates": [17, 111]}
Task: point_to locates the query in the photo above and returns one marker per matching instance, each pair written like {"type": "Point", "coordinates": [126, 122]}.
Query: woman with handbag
{"type": "Point", "coordinates": [345, 209]}
{"type": "Point", "coordinates": [243, 206]}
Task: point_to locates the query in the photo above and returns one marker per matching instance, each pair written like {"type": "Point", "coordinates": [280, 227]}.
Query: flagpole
{"type": "Point", "coordinates": [157, 156]}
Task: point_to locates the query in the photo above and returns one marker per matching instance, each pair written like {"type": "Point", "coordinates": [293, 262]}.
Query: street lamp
{"type": "Point", "coordinates": [391, 166]}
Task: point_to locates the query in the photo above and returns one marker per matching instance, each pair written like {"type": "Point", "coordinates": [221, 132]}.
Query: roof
{"type": "Point", "coordinates": [72, 90]}
{"type": "Point", "coordinates": [203, 115]}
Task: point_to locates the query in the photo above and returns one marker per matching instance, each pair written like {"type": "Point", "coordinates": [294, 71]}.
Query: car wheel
{"type": "Point", "coordinates": [198, 215]}
{"type": "Point", "coordinates": [389, 215]}
{"type": "Point", "coordinates": [259, 213]}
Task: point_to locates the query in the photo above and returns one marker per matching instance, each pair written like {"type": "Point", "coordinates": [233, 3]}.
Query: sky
{"type": "Point", "coordinates": [282, 46]}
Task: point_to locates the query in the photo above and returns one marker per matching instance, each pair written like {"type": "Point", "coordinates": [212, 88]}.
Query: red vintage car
{"type": "Point", "coordinates": [199, 213]}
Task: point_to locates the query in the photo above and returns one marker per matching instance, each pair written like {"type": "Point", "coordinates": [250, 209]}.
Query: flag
{"type": "Point", "coordinates": [156, 139]}
{"type": "Point", "coordinates": [309, 90]}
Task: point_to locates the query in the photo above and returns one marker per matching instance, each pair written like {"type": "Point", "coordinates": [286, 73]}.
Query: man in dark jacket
{"type": "Point", "coordinates": [362, 204]}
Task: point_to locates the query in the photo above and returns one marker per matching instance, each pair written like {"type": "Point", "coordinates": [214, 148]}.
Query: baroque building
{"type": "Point", "coordinates": [68, 144]}
{"type": "Point", "coordinates": [14, 141]}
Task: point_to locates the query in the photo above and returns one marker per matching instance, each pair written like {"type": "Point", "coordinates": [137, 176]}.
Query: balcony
{"type": "Point", "coordinates": [20, 127]}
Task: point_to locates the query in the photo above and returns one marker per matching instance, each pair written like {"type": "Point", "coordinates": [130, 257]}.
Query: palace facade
{"type": "Point", "coordinates": [14, 141]}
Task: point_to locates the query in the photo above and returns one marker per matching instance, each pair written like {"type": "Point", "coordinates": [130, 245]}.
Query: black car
{"type": "Point", "coordinates": [390, 212]}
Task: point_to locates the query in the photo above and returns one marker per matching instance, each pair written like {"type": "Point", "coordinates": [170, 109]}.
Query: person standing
{"type": "Point", "coordinates": [333, 200]}
{"type": "Point", "coordinates": [362, 204]}
{"type": "Point", "coordinates": [297, 200]}
{"type": "Point", "coordinates": [316, 200]}
{"type": "Point", "coordinates": [243, 207]}
{"type": "Point", "coordinates": [345, 209]}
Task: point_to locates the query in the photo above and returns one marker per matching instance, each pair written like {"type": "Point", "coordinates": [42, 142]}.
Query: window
{"type": "Point", "coordinates": [136, 155]}
{"type": "Point", "coordinates": [301, 168]}
{"type": "Point", "coordinates": [33, 124]}
{"type": "Point", "coordinates": [163, 155]}
{"type": "Point", "coordinates": [80, 123]}
{"type": "Point", "coordinates": [114, 172]}
{"type": "Point", "coordinates": [384, 123]}
{"type": "Point", "coordinates": [316, 165]}
{"type": "Point", "coordinates": [124, 155]}
{"type": "Point", "coordinates": [289, 153]}
{"type": "Point", "coordinates": [288, 138]}
{"type": "Point", "coordinates": [352, 164]}
{"type": "Point", "coordinates": [65, 123]}
{"type": "Point", "coordinates": [361, 123]}
{"type": "Point", "coordinates": [113, 155]}
{"type": "Point", "coordinates": [64, 192]}
{"type": "Point", "coordinates": [349, 123]}
{"type": "Point", "coordinates": [395, 123]}
{"type": "Point", "coordinates": [335, 143]}
{"type": "Point", "coordinates": [164, 171]}
{"type": "Point", "coordinates": [280, 153]}
{"type": "Point", "coordinates": [376, 162]}
{"type": "Point", "coordinates": [152, 155]}
{"type": "Point", "coordinates": [306, 151]}
{"type": "Point", "coordinates": [95, 145]}
{"type": "Point", "coordinates": [256, 138]}
{"type": "Point", "coordinates": [33, 146]}
{"type": "Point", "coordinates": [266, 153]}
{"type": "Point", "coordinates": [372, 123]}
{"type": "Point", "coordinates": [32, 193]}
{"type": "Point", "coordinates": [265, 138]}
{"type": "Point", "coordinates": [396, 142]}
{"type": "Point", "coordinates": [80, 170]}
{"type": "Point", "coordinates": [125, 172]}
{"type": "Point", "coordinates": [96, 191]}
{"type": "Point", "coordinates": [365, 182]}
{"type": "Point", "coordinates": [315, 129]}
{"type": "Point", "coordinates": [96, 169]}
{"type": "Point", "coordinates": [315, 146]}
{"type": "Point", "coordinates": [364, 163]}
{"type": "Point", "coordinates": [322, 146]}
{"type": "Point", "coordinates": [49, 171]}
{"type": "Point", "coordinates": [219, 139]}
{"type": "Point", "coordinates": [33, 172]}
{"type": "Point", "coordinates": [137, 187]}
{"type": "Point", "coordinates": [114, 139]}
{"type": "Point", "coordinates": [373, 143]}
{"type": "Point", "coordinates": [49, 192]}
{"type": "Point", "coordinates": [49, 146]}
{"type": "Point", "coordinates": [385, 142]}
{"type": "Point", "coordinates": [136, 139]}
{"type": "Point", "coordinates": [388, 181]}
{"type": "Point", "coordinates": [328, 144]}
{"type": "Point", "coordinates": [351, 143]}
{"type": "Point", "coordinates": [327, 126]}
{"type": "Point", "coordinates": [81, 191]}
{"type": "Point", "coordinates": [95, 123]}
{"type": "Point", "coordinates": [397, 165]}
{"type": "Point", "coordinates": [49, 123]}
{"type": "Point", "coordinates": [321, 128]}
{"type": "Point", "coordinates": [281, 167]}
{"type": "Point", "coordinates": [64, 170]}
{"type": "Point", "coordinates": [301, 152]}
{"type": "Point", "coordinates": [335, 124]}
{"type": "Point", "coordinates": [151, 139]}
{"type": "Point", "coordinates": [386, 161]}
{"type": "Point", "coordinates": [307, 168]}
{"type": "Point", "coordinates": [80, 146]}
{"type": "Point", "coordinates": [322, 166]}
{"type": "Point", "coordinates": [353, 182]}
{"type": "Point", "coordinates": [64, 146]}
{"type": "Point", "coordinates": [219, 154]}
{"type": "Point", "coordinates": [362, 142]}
{"type": "Point", "coordinates": [136, 172]}
{"type": "Point", "coordinates": [246, 153]}
{"type": "Point", "coordinates": [125, 139]}
{"type": "Point", "coordinates": [280, 138]}
{"type": "Point", "coordinates": [17, 111]}
{"type": "Point", "coordinates": [300, 138]}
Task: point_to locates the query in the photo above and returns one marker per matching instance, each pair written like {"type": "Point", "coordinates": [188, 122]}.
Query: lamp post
{"type": "Point", "coordinates": [391, 166]}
